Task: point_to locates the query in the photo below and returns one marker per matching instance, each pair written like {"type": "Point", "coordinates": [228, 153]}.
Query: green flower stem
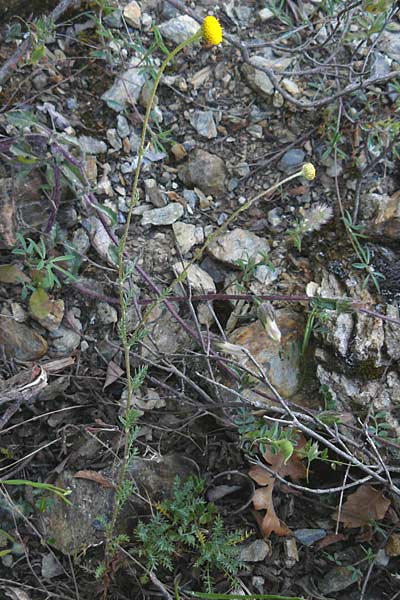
{"type": "Point", "coordinates": [121, 274]}
{"type": "Point", "coordinates": [133, 203]}
{"type": "Point", "coordinates": [48, 487]}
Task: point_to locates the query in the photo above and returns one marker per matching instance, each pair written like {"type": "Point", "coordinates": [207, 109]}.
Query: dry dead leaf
{"type": "Point", "coordinates": [270, 522]}
{"type": "Point", "coordinates": [262, 500]}
{"type": "Point", "coordinates": [392, 548]}
{"type": "Point", "coordinates": [365, 505]}
{"type": "Point", "coordinates": [331, 538]}
{"type": "Point", "coordinates": [293, 468]}
{"type": "Point", "coordinates": [96, 477]}
{"type": "Point", "coordinates": [16, 593]}
{"type": "Point", "coordinates": [114, 372]}
{"type": "Point", "coordinates": [260, 475]}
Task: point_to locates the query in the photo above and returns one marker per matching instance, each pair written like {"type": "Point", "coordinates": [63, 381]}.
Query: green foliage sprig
{"type": "Point", "coordinates": [188, 525]}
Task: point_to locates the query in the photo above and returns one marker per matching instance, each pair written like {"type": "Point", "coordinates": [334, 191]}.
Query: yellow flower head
{"type": "Point", "coordinates": [212, 31]}
{"type": "Point", "coordinates": [308, 171]}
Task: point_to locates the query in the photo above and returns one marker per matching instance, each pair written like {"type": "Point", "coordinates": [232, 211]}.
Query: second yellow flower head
{"type": "Point", "coordinates": [212, 31]}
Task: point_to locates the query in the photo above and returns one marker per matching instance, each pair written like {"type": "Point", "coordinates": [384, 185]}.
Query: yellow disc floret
{"type": "Point", "coordinates": [308, 171]}
{"type": "Point", "coordinates": [212, 31]}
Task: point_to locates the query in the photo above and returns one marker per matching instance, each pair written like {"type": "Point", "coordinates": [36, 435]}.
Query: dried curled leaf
{"type": "Point", "coordinates": [262, 500]}
{"type": "Point", "coordinates": [364, 506]}
{"type": "Point", "coordinates": [94, 476]}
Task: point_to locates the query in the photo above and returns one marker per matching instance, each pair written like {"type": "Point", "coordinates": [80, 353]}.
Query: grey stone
{"type": "Point", "coordinates": [7, 561]}
{"type": "Point", "coordinates": [334, 167]}
{"type": "Point", "coordinates": [265, 14]}
{"type": "Point", "coordinates": [203, 122]}
{"type": "Point", "coordinates": [255, 551]}
{"type": "Point", "coordinates": [163, 216]}
{"type": "Point", "coordinates": [113, 139]}
{"type": "Point", "coordinates": [242, 169]}
{"type": "Point", "coordinates": [291, 159]}
{"type": "Point", "coordinates": [71, 103]}
{"type": "Point", "coordinates": [214, 268]}
{"type": "Point", "coordinates": [191, 198]}
{"type": "Point", "coordinates": [114, 19]}
{"type": "Point", "coordinates": [51, 567]}
{"type": "Point", "coordinates": [179, 29]}
{"type": "Point", "coordinates": [145, 95]}
{"type": "Point", "coordinates": [166, 336]}
{"type": "Point", "coordinates": [308, 537]}
{"type": "Point", "coordinates": [90, 145]}
{"type": "Point", "coordinates": [19, 342]}
{"type": "Point", "coordinates": [106, 313]}
{"type": "Point", "coordinates": [266, 275]}
{"type": "Point", "coordinates": [275, 216]}
{"type": "Point", "coordinates": [392, 334]}
{"type": "Point", "coordinates": [80, 241]}
{"type": "Point", "coordinates": [63, 341]}
{"type": "Point", "coordinates": [132, 14]}
{"type": "Point", "coordinates": [389, 43]}
{"type": "Point", "coordinates": [238, 244]}
{"type": "Point", "coordinates": [40, 81]}
{"type": "Point", "coordinates": [100, 239]}
{"type": "Point", "coordinates": [258, 79]}
{"type": "Point", "coordinates": [205, 171]}
{"type": "Point", "coordinates": [199, 281]}
{"type": "Point", "coordinates": [381, 65]}
{"type": "Point", "coordinates": [256, 131]}
{"type": "Point", "coordinates": [123, 126]}
{"type": "Point", "coordinates": [381, 215]}
{"type": "Point", "coordinates": [338, 579]}
{"type": "Point", "coordinates": [222, 217]}
{"type": "Point", "coordinates": [153, 194]}
{"type": "Point", "coordinates": [187, 235]}
{"type": "Point", "coordinates": [127, 87]}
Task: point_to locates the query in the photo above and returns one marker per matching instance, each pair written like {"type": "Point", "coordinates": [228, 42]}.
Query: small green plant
{"type": "Point", "coordinates": [364, 254]}
{"type": "Point", "coordinates": [332, 133]}
{"type": "Point", "coordinates": [277, 8]}
{"type": "Point", "coordinates": [378, 425]}
{"type": "Point", "coordinates": [257, 436]}
{"type": "Point", "coordinates": [41, 30]}
{"type": "Point", "coordinates": [41, 267]}
{"type": "Point", "coordinates": [187, 525]}
{"type": "Point", "coordinates": [329, 400]}
{"type": "Point", "coordinates": [371, 20]}
{"type": "Point", "coordinates": [315, 321]}
{"type": "Point", "coordinates": [249, 264]}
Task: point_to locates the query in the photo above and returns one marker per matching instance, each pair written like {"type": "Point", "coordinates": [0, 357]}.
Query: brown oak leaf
{"type": "Point", "coordinates": [262, 500]}
{"type": "Point", "coordinates": [365, 505]}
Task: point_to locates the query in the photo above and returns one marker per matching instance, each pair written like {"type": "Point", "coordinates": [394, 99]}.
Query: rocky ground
{"type": "Point", "coordinates": [323, 253]}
